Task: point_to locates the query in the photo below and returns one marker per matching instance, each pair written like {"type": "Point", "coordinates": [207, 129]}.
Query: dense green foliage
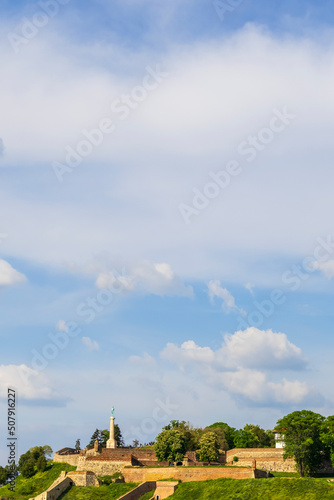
{"type": "Point", "coordinates": [41, 464]}
{"type": "Point", "coordinates": [190, 434]}
{"type": "Point", "coordinates": [208, 447]}
{"type": "Point", "coordinates": [27, 488]}
{"type": "Point", "coordinates": [228, 434]}
{"type": "Point", "coordinates": [111, 492]}
{"type": "Point", "coordinates": [302, 431]}
{"type": "Point", "coordinates": [327, 436]}
{"type": "Point", "coordinates": [28, 460]}
{"type": "Point", "coordinates": [4, 474]}
{"type": "Point", "coordinates": [170, 446]}
{"type": "Point", "coordinates": [256, 489]}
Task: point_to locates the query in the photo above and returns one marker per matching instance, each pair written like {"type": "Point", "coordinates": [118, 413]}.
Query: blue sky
{"type": "Point", "coordinates": [166, 233]}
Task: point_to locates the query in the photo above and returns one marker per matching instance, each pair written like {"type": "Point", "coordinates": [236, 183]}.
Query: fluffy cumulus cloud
{"type": "Point", "coordinates": [245, 364]}
{"type": "Point", "coordinates": [9, 275]}
{"type": "Point", "coordinates": [327, 268]}
{"type": "Point", "coordinates": [262, 348]}
{"type": "Point", "coordinates": [136, 209]}
{"type": "Point", "coordinates": [32, 386]}
{"type": "Point", "coordinates": [147, 277]}
{"type": "Point", "coordinates": [91, 345]}
{"type": "Point", "coordinates": [228, 301]}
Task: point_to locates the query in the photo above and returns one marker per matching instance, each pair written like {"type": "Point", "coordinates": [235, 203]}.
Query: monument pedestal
{"type": "Point", "coordinates": [111, 443]}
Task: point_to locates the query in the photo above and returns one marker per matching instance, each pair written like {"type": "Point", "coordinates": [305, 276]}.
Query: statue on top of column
{"type": "Point", "coordinates": [112, 411]}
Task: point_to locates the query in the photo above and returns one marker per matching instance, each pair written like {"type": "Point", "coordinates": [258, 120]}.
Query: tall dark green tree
{"type": "Point", "coordinates": [170, 446]}
{"type": "Point", "coordinates": [77, 445]}
{"type": "Point", "coordinates": [302, 441]}
{"type": "Point", "coordinates": [97, 435]}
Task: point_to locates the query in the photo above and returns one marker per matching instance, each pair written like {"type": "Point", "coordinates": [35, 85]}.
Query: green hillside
{"type": "Point", "coordinates": [256, 489]}
{"type": "Point", "coordinates": [26, 488]}
{"type": "Point", "coordinates": [104, 492]}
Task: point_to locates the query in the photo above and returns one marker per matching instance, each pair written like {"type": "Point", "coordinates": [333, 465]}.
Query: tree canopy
{"type": "Point", "coordinates": [302, 431]}
{"type": "Point", "coordinates": [170, 446]}
{"type": "Point", "coordinates": [208, 447]}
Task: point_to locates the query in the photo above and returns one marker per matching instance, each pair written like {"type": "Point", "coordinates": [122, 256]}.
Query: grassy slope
{"type": "Point", "coordinates": [147, 496]}
{"type": "Point", "coordinates": [256, 489]}
{"type": "Point", "coordinates": [26, 488]}
{"type": "Point", "coordinates": [104, 492]}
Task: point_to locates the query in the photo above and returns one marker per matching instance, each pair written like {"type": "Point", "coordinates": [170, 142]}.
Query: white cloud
{"type": "Point", "coordinates": [188, 353]}
{"type": "Point", "coordinates": [262, 348]}
{"type": "Point", "coordinates": [247, 77]}
{"type": "Point", "coordinates": [216, 290]}
{"type": "Point", "coordinates": [29, 384]}
{"type": "Point", "coordinates": [157, 279]}
{"type": "Point", "coordinates": [8, 275]}
{"type": "Point", "coordinates": [92, 345]}
{"type": "Point", "coordinates": [326, 267]}
{"type": "Point", "coordinates": [243, 364]}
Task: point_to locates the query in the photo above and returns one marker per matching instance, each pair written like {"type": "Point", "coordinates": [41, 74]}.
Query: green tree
{"type": "Point", "coordinates": [191, 434]}
{"type": "Point", "coordinates": [47, 450]}
{"type": "Point", "coordinates": [229, 432]}
{"type": "Point", "coordinates": [266, 438]}
{"type": "Point", "coordinates": [302, 441]}
{"type": "Point", "coordinates": [209, 447]}
{"type": "Point", "coordinates": [170, 446]}
{"type": "Point", "coordinates": [77, 445]}
{"type": "Point", "coordinates": [97, 435]}
{"type": "Point", "coordinates": [41, 463]}
{"type": "Point", "coordinates": [245, 439]}
{"type": "Point", "coordinates": [118, 437]}
{"type": "Point", "coordinates": [327, 436]}
{"type": "Point", "coordinates": [104, 436]}
{"type": "Point", "coordinates": [28, 469]}
{"type": "Point", "coordinates": [25, 457]}
{"type": "Point", "coordinates": [221, 437]}
{"type": "Point", "coordinates": [3, 475]}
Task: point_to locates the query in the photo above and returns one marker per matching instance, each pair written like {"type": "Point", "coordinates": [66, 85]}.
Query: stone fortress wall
{"type": "Point", "coordinates": [108, 461]}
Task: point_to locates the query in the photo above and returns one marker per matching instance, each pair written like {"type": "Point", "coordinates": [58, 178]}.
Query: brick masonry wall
{"type": "Point", "coordinates": [266, 458]}
{"type": "Point", "coordinates": [185, 474]}
{"type": "Point", "coordinates": [83, 478]}
{"type": "Point", "coordinates": [68, 459]}
{"type": "Point", "coordinates": [165, 489]}
{"type": "Point", "coordinates": [103, 467]}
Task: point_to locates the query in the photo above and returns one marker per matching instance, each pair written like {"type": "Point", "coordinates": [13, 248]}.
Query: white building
{"type": "Point", "coordinates": [279, 439]}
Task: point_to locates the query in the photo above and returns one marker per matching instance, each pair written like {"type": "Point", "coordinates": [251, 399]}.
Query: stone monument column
{"type": "Point", "coordinates": [111, 443]}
